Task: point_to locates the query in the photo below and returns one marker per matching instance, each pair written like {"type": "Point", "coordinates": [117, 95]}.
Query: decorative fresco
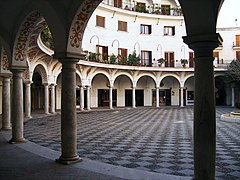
{"type": "Point", "coordinates": [80, 22]}
{"type": "Point", "coordinates": [24, 35]}
{"type": "Point", "coordinates": [5, 62]}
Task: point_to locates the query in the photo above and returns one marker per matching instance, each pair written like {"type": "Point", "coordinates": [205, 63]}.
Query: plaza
{"type": "Point", "coordinates": [136, 83]}
{"type": "Point", "coordinates": [157, 140]}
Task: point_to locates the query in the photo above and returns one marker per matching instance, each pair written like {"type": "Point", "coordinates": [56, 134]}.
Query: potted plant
{"type": "Point", "coordinates": [133, 59]}
{"type": "Point", "coordinates": [161, 61]}
{"type": "Point", "coordinates": [113, 59]}
{"type": "Point", "coordinates": [92, 56]}
{"type": "Point", "coordinates": [184, 62]}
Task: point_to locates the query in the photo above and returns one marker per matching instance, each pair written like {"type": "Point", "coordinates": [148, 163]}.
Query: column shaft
{"type": "Point", "coordinates": [17, 107]}
{"type": "Point", "coordinates": [52, 109]}
{"type": "Point", "coordinates": [46, 99]}
{"type": "Point", "coordinates": [6, 108]}
{"type": "Point", "coordinates": [204, 120]}
{"type": "Point", "coordinates": [157, 97]}
{"type": "Point", "coordinates": [134, 97]}
{"type": "Point", "coordinates": [28, 100]}
{"type": "Point", "coordinates": [68, 113]}
{"type": "Point", "coordinates": [81, 98]}
{"type": "Point", "coordinates": [233, 97]}
{"type": "Point", "coordinates": [110, 98]}
{"type": "Point", "coordinates": [88, 98]}
{"type": "Point", "coordinates": [182, 100]}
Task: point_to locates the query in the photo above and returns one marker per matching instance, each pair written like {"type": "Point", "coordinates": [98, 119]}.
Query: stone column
{"type": "Point", "coordinates": [157, 97]}
{"type": "Point", "coordinates": [88, 98]}
{"type": "Point", "coordinates": [6, 107]}
{"type": "Point", "coordinates": [134, 97]}
{"type": "Point", "coordinates": [110, 98]}
{"type": "Point", "coordinates": [204, 105]}
{"type": "Point", "coordinates": [233, 96]}
{"type": "Point", "coordinates": [181, 94]}
{"type": "Point", "coordinates": [81, 98]}
{"type": "Point", "coordinates": [46, 99]}
{"type": "Point", "coordinates": [28, 99]}
{"type": "Point", "coordinates": [68, 113]}
{"type": "Point", "coordinates": [17, 107]}
{"type": "Point", "coordinates": [52, 108]}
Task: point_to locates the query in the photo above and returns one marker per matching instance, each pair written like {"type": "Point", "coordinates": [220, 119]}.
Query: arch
{"type": "Point", "coordinates": [122, 74]}
{"type": "Point", "coordinates": [42, 71]}
{"type": "Point", "coordinates": [79, 24]}
{"type": "Point", "coordinates": [170, 75]}
{"type": "Point", "coordinates": [5, 40]}
{"type": "Point", "coordinates": [186, 78]}
{"type": "Point", "coordinates": [148, 75]}
{"type": "Point", "coordinates": [100, 72]}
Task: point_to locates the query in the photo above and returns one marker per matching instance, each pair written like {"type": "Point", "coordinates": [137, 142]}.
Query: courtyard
{"type": "Point", "coordinates": [151, 139]}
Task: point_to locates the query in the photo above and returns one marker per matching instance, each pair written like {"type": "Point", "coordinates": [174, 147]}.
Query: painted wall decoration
{"type": "Point", "coordinates": [80, 22]}
{"type": "Point", "coordinates": [24, 34]}
{"type": "Point", "coordinates": [5, 62]}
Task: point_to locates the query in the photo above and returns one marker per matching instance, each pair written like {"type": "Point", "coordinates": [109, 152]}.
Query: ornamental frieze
{"type": "Point", "coordinates": [23, 36]}
{"type": "Point", "coordinates": [81, 19]}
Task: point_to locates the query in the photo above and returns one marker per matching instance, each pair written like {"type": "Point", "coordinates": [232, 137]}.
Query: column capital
{"type": "Point", "coordinates": [203, 44]}
{"type": "Point", "coordinates": [28, 82]}
{"type": "Point", "coordinates": [45, 84]}
{"type": "Point", "coordinates": [67, 60]}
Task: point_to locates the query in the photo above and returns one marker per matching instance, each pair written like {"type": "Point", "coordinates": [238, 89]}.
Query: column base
{"type": "Point", "coordinates": [68, 161]}
{"type": "Point", "coordinates": [6, 129]}
{"type": "Point", "coordinates": [17, 141]}
{"type": "Point", "coordinates": [28, 117]}
{"type": "Point", "coordinates": [52, 113]}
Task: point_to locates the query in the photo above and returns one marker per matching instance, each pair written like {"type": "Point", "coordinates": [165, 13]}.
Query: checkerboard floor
{"type": "Point", "coordinates": [150, 139]}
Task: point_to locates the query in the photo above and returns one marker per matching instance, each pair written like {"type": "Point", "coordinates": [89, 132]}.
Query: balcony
{"type": "Point", "coordinates": [149, 9]}
{"type": "Point", "coordinates": [236, 45]}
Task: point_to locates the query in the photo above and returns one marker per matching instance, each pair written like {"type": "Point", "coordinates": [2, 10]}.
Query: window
{"type": "Point", "coordinates": [118, 3]}
{"type": "Point", "coordinates": [145, 29]}
{"type": "Point", "coordinates": [216, 56]}
{"type": "Point", "coordinates": [191, 59]}
{"type": "Point", "coordinates": [169, 59]}
{"type": "Point", "coordinates": [146, 58]}
{"type": "Point", "coordinates": [100, 21]}
{"type": "Point", "coordinates": [102, 52]}
{"type": "Point", "coordinates": [238, 40]}
{"type": "Point", "coordinates": [122, 26]}
{"type": "Point", "coordinates": [122, 52]}
{"type": "Point", "coordinates": [238, 55]}
{"type": "Point", "coordinates": [169, 31]}
{"type": "Point", "coordinates": [165, 9]}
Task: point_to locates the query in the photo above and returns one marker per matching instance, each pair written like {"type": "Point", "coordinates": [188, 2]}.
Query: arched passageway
{"type": "Point", "coordinates": [124, 91]}
{"type": "Point", "coordinates": [189, 91]}
{"type": "Point", "coordinates": [145, 91]}
{"type": "Point", "coordinates": [100, 92]}
{"type": "Point", "coordinates": [169, 91]}
{"type": "Point", "coordinates": [220, 91]}
{"type": "Point", "coordinates": [37, 90]}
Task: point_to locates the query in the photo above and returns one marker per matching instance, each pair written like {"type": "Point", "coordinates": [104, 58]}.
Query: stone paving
{"type": "Point", "coordinates": [150, 139]}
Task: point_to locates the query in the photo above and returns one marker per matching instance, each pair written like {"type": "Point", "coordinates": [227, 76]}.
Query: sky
{"type": "Point", "coordinates": [229, 15]}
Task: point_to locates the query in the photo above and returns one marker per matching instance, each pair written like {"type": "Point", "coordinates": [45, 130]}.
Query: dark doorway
{"type": "Point", "coordinates": [128, 97]}
{"type": "Point", "coordinates": [220, 91]}
{"type": "Point", "coordinates": [37, 92]}
{"type": "Point", "coordinates": [103, 97]}
{"type": "Point", "coordinates": [85, 98]}
{"type": "Point", "coordinates": [139, 97]}
{"type": "Point", "coordinates": [168, 97]}
{"type": "Point", "coordinates": [78, 98]}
